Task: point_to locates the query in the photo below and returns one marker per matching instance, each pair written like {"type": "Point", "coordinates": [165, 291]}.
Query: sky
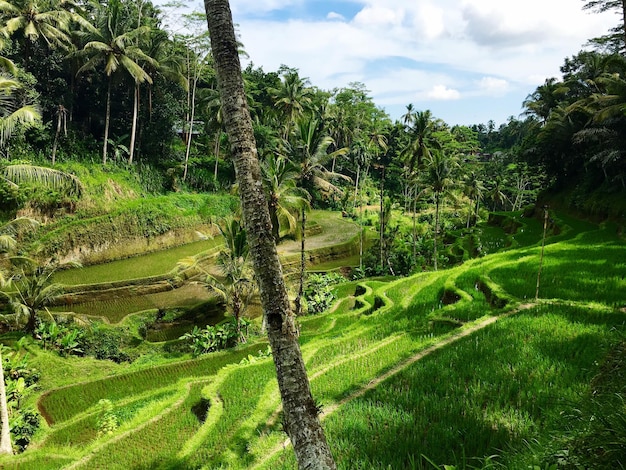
{"type": "Point", "coordinates": [468, 61]}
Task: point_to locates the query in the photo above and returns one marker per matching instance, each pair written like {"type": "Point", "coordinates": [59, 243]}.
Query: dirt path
{"type": "Point", "coordinates": [459, 334]}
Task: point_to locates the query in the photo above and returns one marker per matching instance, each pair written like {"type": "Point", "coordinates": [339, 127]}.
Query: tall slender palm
{"type": "Point", "coordinates": [310, 153]}
{"type": "Point", "coordinates": [114, 46]}
{"type": "Point", "coordinates": [409, 116]}
{"type": "Point", "coordinates": [474, 190]}
{"type": "Point", "coordinates": [422, 140]}
{"type": "Point", "coordinates": [301, 420]}
{"type": "Point", "coordinates": [438, 176]}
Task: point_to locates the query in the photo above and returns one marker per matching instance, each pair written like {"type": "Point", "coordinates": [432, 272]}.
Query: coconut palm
{"type": "Point", "coordinates": [292, 99]}
{"type": "Point", "coordinates": [41, 20]}
{"type": "Point", "coordinates": [114, 45]}
{"type": "Point", "coordinates": [31, 291]}
{"type": "Point", "coordinates": [474, 190]}
{"type": "Point", "coordinates": [284, 198]}
{"type": "Point", "coordinates": [12, 113]}
{"type": "Point", "coordinates": [438, 177]}
{"type": "Point", "coordinates": [237, 286]}
{"type": "Point", "coordinates": [310, 154]}
{"type": "Point", "coordinates": [15, 175]}
{"type": "Point", "coordinates": [422, 140]}
{"type": "Point", "coordinates": [300, 413]}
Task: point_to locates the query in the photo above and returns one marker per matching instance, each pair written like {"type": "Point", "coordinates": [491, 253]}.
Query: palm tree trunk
{"type": "Point", "coordinates": [133, 132]}
{"type": "Point", "coordinates": [191, 118]}
{"type": "Point", "coordinates": [469, 213]}
{"type": "Point", "coordinates": [415, 227]}
{"type": "Point", "coordinates": [382, 218]}
{"type": "Point", "coordinates": [218, 134]}
{"type": "Point", "coordinates": [56, 138]}
{"type": "Point", "coordinates": [301, 420]}
{"type": "Point", "coordinates": [107, 120]}
{"type": "Point", "coordinates": [298, 301]}
{"type": "Point", "coordinates": [5, 436]}
{"type": "Point", "coordinates": [436, 229]}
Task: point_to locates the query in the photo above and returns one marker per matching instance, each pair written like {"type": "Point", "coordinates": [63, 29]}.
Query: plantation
{"type": "Point", "coordinates": [405, 384]}
{"type": "Point", "coordinates": [204, 267]}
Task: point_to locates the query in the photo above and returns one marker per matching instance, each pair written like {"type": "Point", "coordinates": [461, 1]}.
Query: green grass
{"type": "Point", "coordinates": [493, 392]}
{"type": "Point", "coordinates": [137, 267]}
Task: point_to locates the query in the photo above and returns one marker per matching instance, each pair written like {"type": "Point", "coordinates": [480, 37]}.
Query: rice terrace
{"type": "Point", "coordinates": [210, 267]}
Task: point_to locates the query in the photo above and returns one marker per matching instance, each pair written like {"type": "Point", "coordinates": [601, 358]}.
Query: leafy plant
{"type": "Point", "coordinates": [213, 338]}
{"type": "Point", "coordinates": [318, 291]}
{"type": "Point", "coordinates": [107, 421]}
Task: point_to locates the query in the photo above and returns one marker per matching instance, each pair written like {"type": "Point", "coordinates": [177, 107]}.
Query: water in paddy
{"type": "Point", "coordinates": [150, 264]}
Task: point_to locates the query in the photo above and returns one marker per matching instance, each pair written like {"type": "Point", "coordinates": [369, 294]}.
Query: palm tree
{"type": "Point", "coordinates": [238, 286]}
{"type": "Point", "coordinates": [15, 175]}
{"type": "Point", "coordinates": [438, 176]}
{"type": "Point", "coordinates": [474, 190]}
{"type": "Point", "coordinates": [544, 99]}
{"type": "Point", "coordinates": [301, 421]}
{"type": "Point", "coordinates": [422, 139]}
{"type": "Point", "coordinates": [409, 116]}
{"type": "Point", "coordinates": [32, 290]}
{"type": "Point", "coordinates": [12, 112]}
{"type": "Point", "coordinates": [285, 199]}
{"type": "Point", "coordinates": [292, 99]}
{"type": "Point", "coordinates": [310, 154]}
{"type": "Point", "coordinates": [497, 195]}
{"type": "Point", "coordinates": [115, 47]}
{"type": "Point", "coordinates": [209, 101]}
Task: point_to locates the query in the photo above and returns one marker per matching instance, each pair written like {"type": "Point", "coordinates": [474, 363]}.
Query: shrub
{"type": "Point", "coordinates": [318, 291]}
{"type": "Point", "coordinates": [213, 338]}
{"type": "Point", "coordinates": [107, 421]}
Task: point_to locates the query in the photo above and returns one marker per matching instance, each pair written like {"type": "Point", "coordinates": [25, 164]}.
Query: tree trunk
{"type": "Point", "coordinates": [218, 135]}
{"type": "Point", "coordinates": [436, 229]}
{"type": "Point", "coordinates": [191, 118]}
{"type": "Point", "coordinates": [5, 436]}
{"type": "Point", "coordinates": [133, 132]}
{"type": "Point", "coordinates": [302, 263]}
{"type": "Point", "coordinates": [107, 120]}
{"type": "Point", "coordinates": [300, 421]}
{"type": "Point", "coordinates": [382, 218]}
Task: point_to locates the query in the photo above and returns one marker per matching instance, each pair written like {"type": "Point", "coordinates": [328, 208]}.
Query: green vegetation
{"type": "Point", "coordinates": [473, 398]}
{"type": "Point", "coordinates": [448, 357]}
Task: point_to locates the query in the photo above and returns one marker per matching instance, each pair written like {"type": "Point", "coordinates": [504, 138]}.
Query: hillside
{"type": "Point", "coordinates": [462, 366]}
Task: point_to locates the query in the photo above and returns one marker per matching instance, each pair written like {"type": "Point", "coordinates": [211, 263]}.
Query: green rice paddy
{"type": "Point", "coordinates": [402, 379]}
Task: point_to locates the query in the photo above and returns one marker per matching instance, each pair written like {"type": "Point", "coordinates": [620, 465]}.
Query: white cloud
{"type": "Point", "coordinates": [493, 86]}
{"type": "Point", "coordinates": [335, 16]}
{"type": "Point", "coordinates": [428, 49]}
{"type": "Point", "coordinates": [442, 92]}
{"type": "Point", "coordinates": [378, 16]}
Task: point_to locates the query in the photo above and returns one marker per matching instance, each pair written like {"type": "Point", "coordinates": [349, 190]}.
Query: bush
{"type": "Point", "coordinates": [213, 338]}
{"type": "Point", "coordinates": [106, 343]}
{"type": "Point", "coordinates": [318, 291]}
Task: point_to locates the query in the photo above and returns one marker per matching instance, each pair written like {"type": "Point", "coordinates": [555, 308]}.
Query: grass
{"type": "Point", "coordinates": [151, 264]}
{"type": "Point", "coordinates": [491, 393]}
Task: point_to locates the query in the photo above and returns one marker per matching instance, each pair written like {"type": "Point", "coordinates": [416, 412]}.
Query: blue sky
{"type": "Point", "coordinates": [468, 61]}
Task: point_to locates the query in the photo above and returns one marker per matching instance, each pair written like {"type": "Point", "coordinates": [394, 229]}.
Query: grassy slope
{"type": "Point", "coordinates": [492, 392]}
